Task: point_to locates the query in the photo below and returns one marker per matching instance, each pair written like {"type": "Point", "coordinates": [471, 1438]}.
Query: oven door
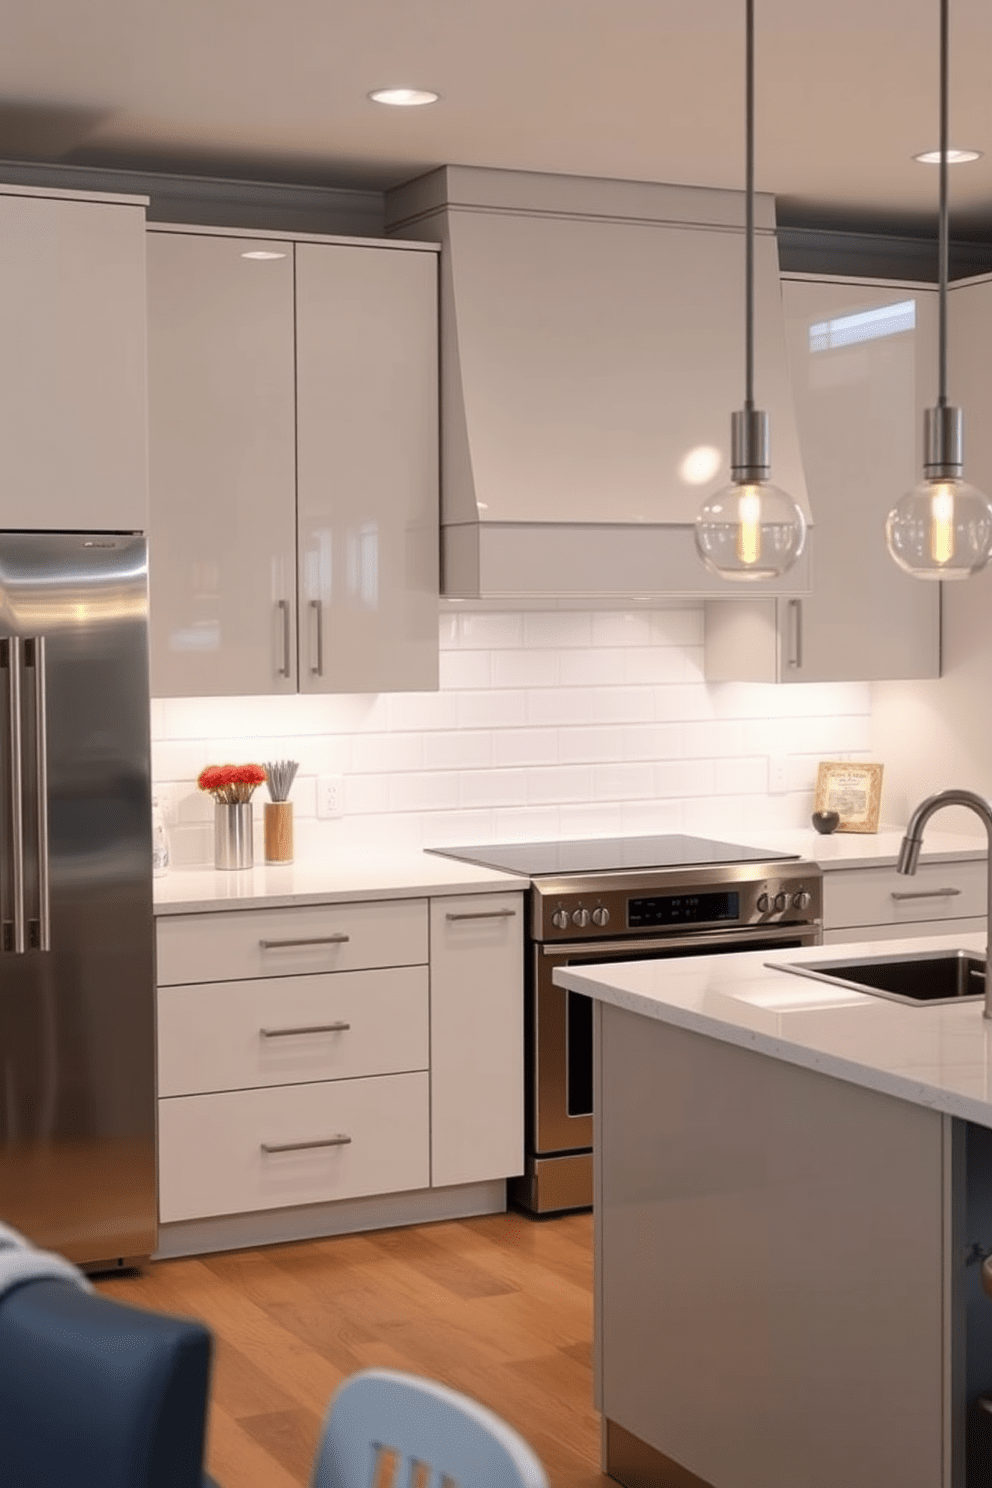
{"type": "Point", "coordinates": [559, 1023]}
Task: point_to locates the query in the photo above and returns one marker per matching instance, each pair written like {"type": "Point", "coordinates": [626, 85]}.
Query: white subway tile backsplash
{"type": "Point", "coordinates": [558, 628]}
{"type": "Point", "coordinates": [590, 745]}
{"type": "Point", "coordinates": [466, 750]}
{"type": "Point", "coordinates": [622, 782]}
{"type": "Point", "coordinates": [491, 788]}
{"type": "Point", "coordinates": [623, 629]}
{"type": "Point", "coordinates": [563, 783]}
{"type": "Point", "coordinates": [426, 790]}
{"type": "Point", "coordinates": [526, 747]}
{"type": "Point", "coordinates": [546, 723]}
{"type": "Point", "coordinates": [491, 632]}
{"type": "Point", "coordinates": [466, 669]}
{"type": "Point", "coordinates": [492, 709]}
{"type": "Point", "coordinates": [532, 668]}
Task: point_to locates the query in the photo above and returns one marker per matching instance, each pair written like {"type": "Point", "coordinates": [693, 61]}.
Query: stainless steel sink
{"type": "Point", "coordinates": [931, 977]}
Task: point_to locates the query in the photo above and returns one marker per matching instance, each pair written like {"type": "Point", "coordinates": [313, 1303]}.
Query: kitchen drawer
{"type": "Point", "coordinates": [881, 896]}
{"type": "Point", "coordinates": [278, 1031]}
{"type": "Point", "coordinates": [893, 932]}
{"type": "Point", "coordinates": [291, 942]}
{"type": "Point", "coordinates": [211, 1159]}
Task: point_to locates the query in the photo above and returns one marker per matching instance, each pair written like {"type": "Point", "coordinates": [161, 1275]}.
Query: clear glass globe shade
{"type": "Point", "coordinates": [750, 531]}
{"type": "Point", "coordinates": [941, 529]}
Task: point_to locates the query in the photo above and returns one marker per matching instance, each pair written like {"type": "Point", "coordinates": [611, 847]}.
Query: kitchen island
{"type": "Point", "coordinates": [793, 1190]}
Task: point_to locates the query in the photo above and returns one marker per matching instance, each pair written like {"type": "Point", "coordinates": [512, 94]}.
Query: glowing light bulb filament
{"type": "Point", "coordinates": [749, 525]}
{"type": "Point", "coordinates": [942, 524]}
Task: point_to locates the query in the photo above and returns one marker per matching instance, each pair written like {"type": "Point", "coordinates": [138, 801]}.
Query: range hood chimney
{"type": "Point", "coordinates": [591, 336]}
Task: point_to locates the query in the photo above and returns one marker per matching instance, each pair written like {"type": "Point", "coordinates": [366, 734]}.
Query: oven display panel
{"type": "Point", "coordinates": [682, 909]}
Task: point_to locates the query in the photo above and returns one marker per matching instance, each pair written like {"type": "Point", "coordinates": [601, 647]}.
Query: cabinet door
{"type": "Point", "coordinates": [222, 451]}
{"type": "Point", "coordinates": [863, 360]}
{"type": "Point", "coordinates": [477, 1023]}
{"type": "Point", "coordinates": [368, 468]}
{"type": "Point", "coordinates": [73, 451]}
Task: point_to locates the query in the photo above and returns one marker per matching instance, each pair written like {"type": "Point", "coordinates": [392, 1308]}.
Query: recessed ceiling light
{"type": "Point", "coordinates": [954, 157]}
{"type": "Point", "coordinates": [403, 97]}
{"type": "Point", "coordinates": [262, 253]}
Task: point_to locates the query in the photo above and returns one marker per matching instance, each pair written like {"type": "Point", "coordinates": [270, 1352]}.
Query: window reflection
{"type": "Point", "coordinates": [863, 325]}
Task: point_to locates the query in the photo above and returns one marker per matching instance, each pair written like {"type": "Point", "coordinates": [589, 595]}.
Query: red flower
{"type": "Point", "coordinates": [231, 784]}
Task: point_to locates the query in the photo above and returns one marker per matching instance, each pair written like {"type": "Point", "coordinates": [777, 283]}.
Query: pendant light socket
{"type": "Point", "coordinates": [749, 446]}
{"type": "Point", "coordinates": [942, 443]}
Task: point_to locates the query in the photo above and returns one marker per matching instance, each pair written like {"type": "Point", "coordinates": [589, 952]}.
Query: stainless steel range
{"type": "Point", "coordinates": [625, 899]}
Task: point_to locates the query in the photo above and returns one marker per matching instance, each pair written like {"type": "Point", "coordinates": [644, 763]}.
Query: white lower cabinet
{"type": "Point", "coordinates": [342, 1051]}
{"type": "Point", "coordinates": [477, 1038]}
{"type": "Point", "coordinates": [881, 904]}
{"type": "Point", "coordinates": [299, 1144]}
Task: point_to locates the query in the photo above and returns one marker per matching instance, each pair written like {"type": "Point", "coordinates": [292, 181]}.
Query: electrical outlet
{"type": "Point", "coordinates": [777, 770]}
{"type": "Point", "coordinates": [330, 795]}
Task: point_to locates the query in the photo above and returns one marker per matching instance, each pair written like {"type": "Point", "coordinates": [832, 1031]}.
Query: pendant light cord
{"type": "Point", "coordinates": [749, 208]}
{"type": "Point", "coordinates": [942, 254]}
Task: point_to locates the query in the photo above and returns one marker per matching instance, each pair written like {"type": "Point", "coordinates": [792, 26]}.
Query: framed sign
{"type": "Point", "coordinates": [853, 790]}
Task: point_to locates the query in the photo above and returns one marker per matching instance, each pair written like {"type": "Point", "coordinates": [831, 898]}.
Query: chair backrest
{"type": "Point", "coordinates": [93, 1392]}
{"type": "Point", "coordinates": [384, 1429]}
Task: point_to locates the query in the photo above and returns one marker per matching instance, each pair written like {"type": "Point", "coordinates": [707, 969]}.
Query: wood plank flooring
{"type": "Point", "coordinates": [499, 1307]}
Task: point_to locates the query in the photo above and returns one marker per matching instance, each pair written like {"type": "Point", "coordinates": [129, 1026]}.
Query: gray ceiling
{"type": "Point", "coordinates": [638, 89]}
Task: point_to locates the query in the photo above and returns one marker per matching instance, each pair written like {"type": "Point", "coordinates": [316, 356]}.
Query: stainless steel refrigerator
{"type": "Point", "coordinates": [77, 1039]}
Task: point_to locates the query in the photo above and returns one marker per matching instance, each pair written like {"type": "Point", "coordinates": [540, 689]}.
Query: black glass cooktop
{"type": "Point", "coordinates": [607, 855]}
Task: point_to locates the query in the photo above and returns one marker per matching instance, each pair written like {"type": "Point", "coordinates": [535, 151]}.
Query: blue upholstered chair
{"type": "Point", "coordinates": [95, 1394]}
{"type": "Point", "coordinates": [431, 1435]}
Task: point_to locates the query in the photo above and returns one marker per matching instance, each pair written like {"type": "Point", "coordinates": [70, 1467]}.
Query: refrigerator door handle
{"type": "Point", "coordinates": [34, 655]}
{"type": "Point", "coordinates": [10, 660]}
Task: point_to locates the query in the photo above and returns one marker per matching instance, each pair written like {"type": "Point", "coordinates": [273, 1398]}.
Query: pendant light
{"type": "Point", "coordinates": [749, 529]}
{"type": "Point", "coordinates": [942, 529]}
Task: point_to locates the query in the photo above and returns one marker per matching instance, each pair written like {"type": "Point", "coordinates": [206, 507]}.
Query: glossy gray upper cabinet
{"type": "Point", "coordinates": [73, 451]}
{"type": "Point", "coordinates": [863, 359]}
{"type": "Point", "coordinates": [222, 428]}
{"type": "Point", "coordinates": [294, 465]}
{"type": "Point", "coordinates": [367, 474]}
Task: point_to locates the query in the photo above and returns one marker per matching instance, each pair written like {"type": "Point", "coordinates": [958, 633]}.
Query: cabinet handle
{"type": "Point", "coordinates": [483, 914]}
{"type": "Point", "coordinates": [283, 605]}
{"type": "Point", "coordinates": [795, 633]}
{"type": "Point", "coordinates": [924, 893]}
{"type": "Point", "coordinates": [308, 1028]}
{"type": "Point", "coordinates": [272, 945]}
{"type": "Point", "coordinates": [10, 660]}
{"type": "Point", "coordinates": [338, 1141]}
{"type": "Point", "coordinates": [317, 605]}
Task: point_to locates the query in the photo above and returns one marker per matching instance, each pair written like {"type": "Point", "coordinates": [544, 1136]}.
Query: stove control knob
{"type": "Point", "coordinates": [560, 919]}
{"type": "Point", "coordinates": [764, 904]}
{"type": "Point", "coordinates": [781, 900]}
{"type": "Point", "coordinates": [601, 916]}
{"type": "Point", "coordinates": [580, 917]}
{"type": "Point", "coordinates": [801, 900]}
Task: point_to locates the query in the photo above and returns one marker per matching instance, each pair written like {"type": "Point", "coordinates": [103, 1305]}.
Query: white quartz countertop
{"type": "Point", "coordinates": [932, 1056]}
{"type": "Point", "coordinates": [401, 875]}
{"type": "Point", "coordinates": [382, 873]}
{"type": "Point", "coordinates": [880, 849]}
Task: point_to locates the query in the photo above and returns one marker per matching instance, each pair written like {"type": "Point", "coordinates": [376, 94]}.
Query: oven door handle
{"type": "Point", "coordinates": [618, 949]}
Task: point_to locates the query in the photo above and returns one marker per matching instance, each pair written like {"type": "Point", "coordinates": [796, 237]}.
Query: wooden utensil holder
{"type": "Point", "coordinates": [278, 831]}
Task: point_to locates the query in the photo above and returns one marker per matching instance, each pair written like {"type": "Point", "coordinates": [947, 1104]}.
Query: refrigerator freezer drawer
{"type": "Point", "coordinates": [291, 942]}
{"type": "Point", "coordinates": [291, 1030]}
{"type": "Point", "coordinates": [294, 1144]}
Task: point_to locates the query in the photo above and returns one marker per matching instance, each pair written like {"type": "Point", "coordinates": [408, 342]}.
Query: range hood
{"type": "Point", "coordinates": [592, 337]}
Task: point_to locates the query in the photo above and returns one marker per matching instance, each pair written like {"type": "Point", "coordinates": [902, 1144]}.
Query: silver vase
{"type": "Point", "coordinates": [232, 835]}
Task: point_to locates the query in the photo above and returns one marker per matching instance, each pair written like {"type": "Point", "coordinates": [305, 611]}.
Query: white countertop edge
{"type": "Point", "coordinates": [296, 885]}
{"type": "Point", "coordinates": [611, 983]}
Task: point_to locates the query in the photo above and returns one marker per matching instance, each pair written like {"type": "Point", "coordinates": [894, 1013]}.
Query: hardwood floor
{"type": "Point", "coordinates": [499, 1307]}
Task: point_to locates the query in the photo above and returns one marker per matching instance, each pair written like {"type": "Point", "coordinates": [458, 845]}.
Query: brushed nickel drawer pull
{"type": "Point", "coordinates": [272, 945]}
{"type": "Point", "coordinates": [925, 893]}
{"type": "Point", "coordinates": [339, 1141]}
{"type": "Point", "coordinates": [483, 914]}
{"type": "Point", "coordinates": [307, 1028]}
